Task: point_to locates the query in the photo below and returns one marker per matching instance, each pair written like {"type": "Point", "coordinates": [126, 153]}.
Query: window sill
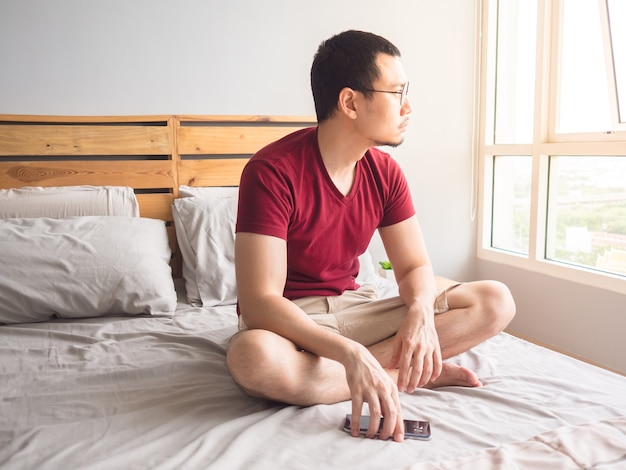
{"type": "Point", "coordinates": [577, 274]}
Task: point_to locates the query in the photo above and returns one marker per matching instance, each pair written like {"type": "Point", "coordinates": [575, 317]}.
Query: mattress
{"type": "Point", "coordinates": [154, 392]}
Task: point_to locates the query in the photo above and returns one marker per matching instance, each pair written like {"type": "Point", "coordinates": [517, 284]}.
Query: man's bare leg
{"type": "Point", "coordinates": [281, 372]}
{"type": "Point", "coordinates": [478, 311]}
{"type": "Point", "coordinates": [269, 366]}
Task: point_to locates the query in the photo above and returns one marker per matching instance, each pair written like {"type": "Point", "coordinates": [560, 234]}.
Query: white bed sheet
{"type": "Point", "coordinates": [155, 393]}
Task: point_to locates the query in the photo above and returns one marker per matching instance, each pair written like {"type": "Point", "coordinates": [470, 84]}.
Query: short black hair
{"type": "Point", "coordinates": [347, 59]}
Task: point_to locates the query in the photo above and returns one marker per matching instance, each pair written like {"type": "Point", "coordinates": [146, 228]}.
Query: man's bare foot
{"type": "Point", "coordinates": [451, 375]}
{"type": "Point", "coordinates": [455, 375]}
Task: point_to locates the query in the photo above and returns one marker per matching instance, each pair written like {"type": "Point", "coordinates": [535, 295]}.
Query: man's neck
{"type": "Point", "coordinates": [339, 148]}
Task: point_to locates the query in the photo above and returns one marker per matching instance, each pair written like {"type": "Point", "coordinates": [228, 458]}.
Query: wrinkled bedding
{"type": "Point", "coordinates": [154, 392]}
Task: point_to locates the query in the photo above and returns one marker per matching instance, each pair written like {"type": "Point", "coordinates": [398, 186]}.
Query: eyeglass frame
{"type": "Point", "coordinates": [403, 93]}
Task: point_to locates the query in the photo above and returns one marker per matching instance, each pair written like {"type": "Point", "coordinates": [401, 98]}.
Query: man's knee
{"type": "Point", "coordinates": [252, 358]}
{"type": "Point", "coordinates": [498, 304]}
{"type": "Point", "coordinates": [244, 350]}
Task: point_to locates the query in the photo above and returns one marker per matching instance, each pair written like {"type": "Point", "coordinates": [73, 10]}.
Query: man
{"type": "Point", "coordinates": [309, 205]}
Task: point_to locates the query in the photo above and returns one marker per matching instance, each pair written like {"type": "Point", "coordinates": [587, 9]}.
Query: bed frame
{"type": "Point", "coordinates": [152, 154]}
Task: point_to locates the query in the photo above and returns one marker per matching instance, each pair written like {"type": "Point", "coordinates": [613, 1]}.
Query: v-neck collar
{"type": "Point", "coordinates": [329, 181]}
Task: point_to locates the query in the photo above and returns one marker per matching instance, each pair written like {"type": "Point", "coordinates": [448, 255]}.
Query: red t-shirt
{"type": "Point", "coordinates": [286, 192]}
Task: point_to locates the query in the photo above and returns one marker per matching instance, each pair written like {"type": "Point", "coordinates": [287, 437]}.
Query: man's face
{"type": "Point", "coordinates": [385, 116]}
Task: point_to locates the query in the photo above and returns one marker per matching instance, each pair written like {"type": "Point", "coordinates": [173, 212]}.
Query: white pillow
{"type": "Point", "coordinates": [205, 229]}
{"type": "Point", "coordinates": [84, 267]}
{"type": "Point", "coordinates": [68, 201]}
{"type": "Point", "coordinates": [209, 192]}
{"type": "Point", "coordinates": [367, 271]}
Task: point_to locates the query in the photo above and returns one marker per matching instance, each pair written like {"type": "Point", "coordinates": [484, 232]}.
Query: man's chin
{"type": "Point", "coordinates": [390, 144]}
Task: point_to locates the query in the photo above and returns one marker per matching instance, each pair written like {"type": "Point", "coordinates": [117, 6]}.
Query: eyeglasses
{"type": "Point", "coordinates": [402, 93]}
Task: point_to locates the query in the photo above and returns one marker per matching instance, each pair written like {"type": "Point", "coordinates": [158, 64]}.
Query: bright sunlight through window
{"type": "Point", "coordinates": [553, 138]}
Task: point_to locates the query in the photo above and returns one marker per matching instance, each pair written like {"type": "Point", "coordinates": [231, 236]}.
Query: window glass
{"type": "Point", "coordinates": [617, 20]}
{"type": "Point", "coordinates": [583, 95]}
{"type": "Point", "coordinates": [515, 71]}
{"type": "Point", "coordinates": [511, 203]}
{"type": "Point", "coordinates": [587, 212]}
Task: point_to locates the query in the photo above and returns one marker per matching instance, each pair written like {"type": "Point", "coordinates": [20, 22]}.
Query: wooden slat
{"type": "Point", "coordinates": [136, 174]}
{"type": "Point", "coordinates": [176, 262]}
{"type": "Point", "coordinates": [171, 236]}
{"type": "Point", "coordinates": [234, 119]}
{"type": "Point", "coordinates": [62, 140]}
{"type": "Point", "coordinates": [51, 118]}
{"type": "Point", "coordinates": [224, 140]}
{"type": "Point", "coordinates": [156, 206]}
{"type": "Point", "coordinates": [211, 172]}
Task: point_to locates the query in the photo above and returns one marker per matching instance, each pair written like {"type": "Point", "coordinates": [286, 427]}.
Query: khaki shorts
{"type": "Point", "coordinates": [359, 314]}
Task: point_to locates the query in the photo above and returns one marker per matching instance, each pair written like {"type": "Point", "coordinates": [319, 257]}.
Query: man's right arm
{"type": "Point", "coordinates": [261, 267]}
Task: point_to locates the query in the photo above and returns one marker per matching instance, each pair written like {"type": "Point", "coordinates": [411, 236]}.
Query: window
{"type": "Point", "coordinates": [552, 138]}
{"type": "Point", "coordinates": [616, 15]}
{"type": "Point", "coordinates": [510, 220]}
{"type": "Point", "coordinates": [514, 63]}
{"type": "Point", "coordinates": [587, 212]}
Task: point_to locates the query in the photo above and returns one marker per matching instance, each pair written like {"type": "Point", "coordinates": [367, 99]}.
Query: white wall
{"type": "Point", "coordinates": [581, 320]}
{"type": "Point", "coordinates": [121, 57]}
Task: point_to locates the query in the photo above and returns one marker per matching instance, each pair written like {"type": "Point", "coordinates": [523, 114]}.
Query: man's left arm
{"type": "Point", "coordinates": [416, 353]}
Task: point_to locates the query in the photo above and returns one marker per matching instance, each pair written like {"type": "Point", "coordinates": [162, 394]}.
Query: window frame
{"type": "Point", "coordinates": [545, 143]}
{"type": "Point", "coordinates": [616, 112]}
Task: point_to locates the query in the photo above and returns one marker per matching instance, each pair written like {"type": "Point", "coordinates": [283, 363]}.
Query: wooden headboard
{"type": "Point", "coordinates": [152, 154]}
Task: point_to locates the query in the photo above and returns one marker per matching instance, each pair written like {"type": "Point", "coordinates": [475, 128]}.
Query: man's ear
{"type": "Point", "coordinates": [348, 102]}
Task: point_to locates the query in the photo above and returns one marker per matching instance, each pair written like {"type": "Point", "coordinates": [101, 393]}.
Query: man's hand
{"type": "Point", "coordinates": [416, 351]}
{"type": "Point", "coordinates": [369, 383]}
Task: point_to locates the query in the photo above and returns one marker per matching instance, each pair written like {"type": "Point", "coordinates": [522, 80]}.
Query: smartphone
{"type": "Point", "coordinates": [412, 429]}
